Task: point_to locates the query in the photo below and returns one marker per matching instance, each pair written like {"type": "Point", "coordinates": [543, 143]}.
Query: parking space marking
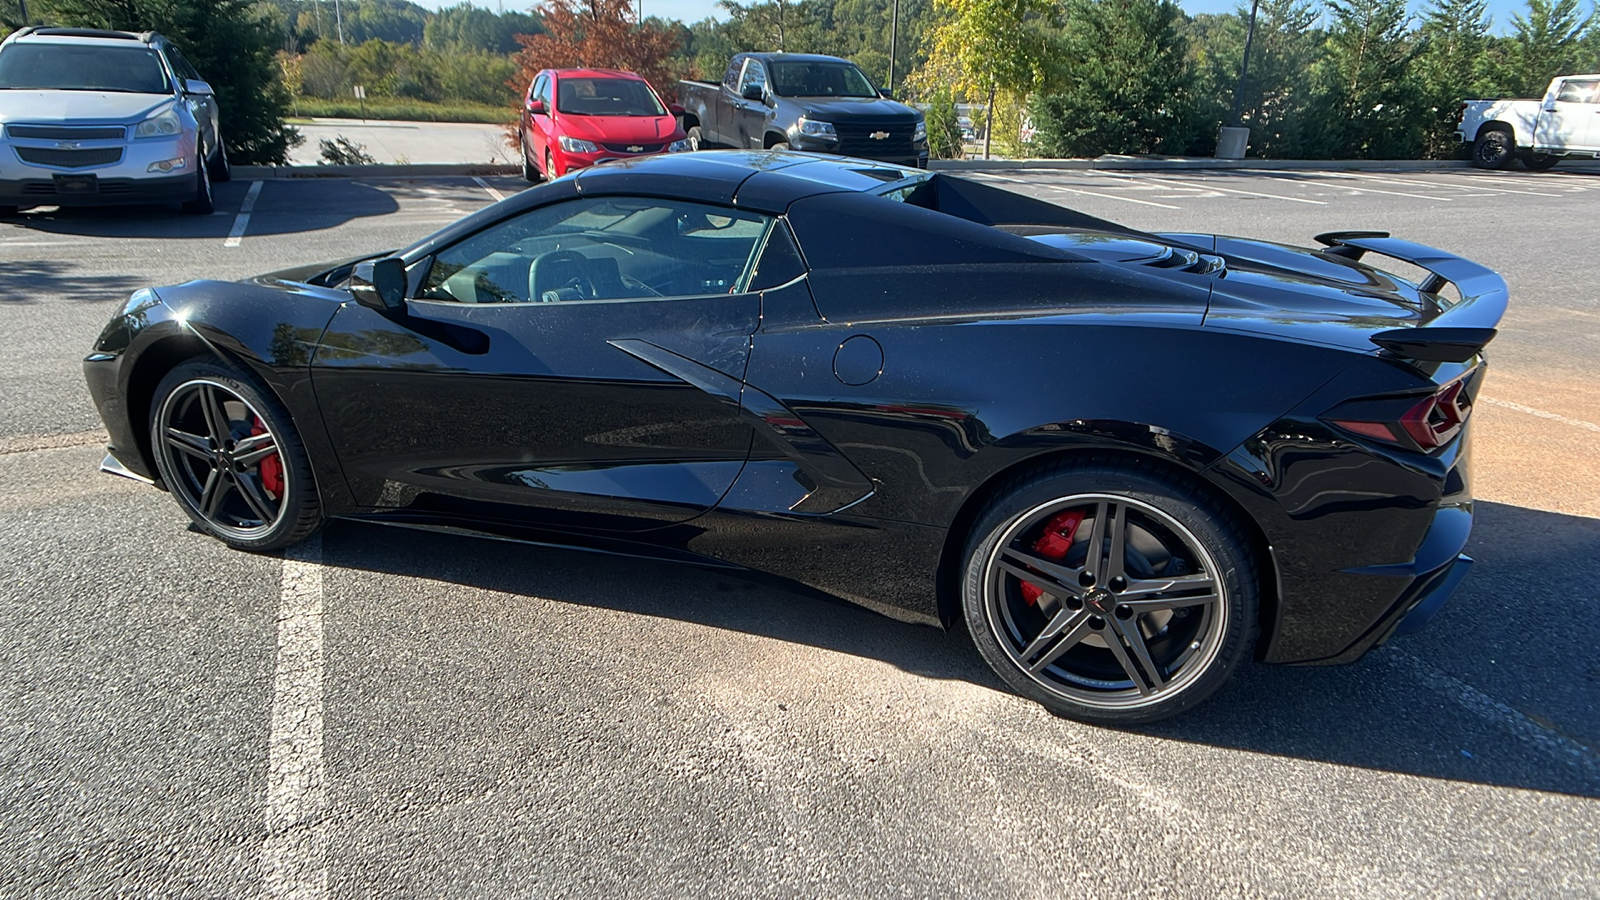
{"type": "Point", "coordinates": [1212, 187]}
{"type": "Point", "coordinates": [1392, 179]}
{"type": "Point", "coordinates": [1285, 176]}
{"type": "Point", "coordinates": [1057, 187]}
{"type": "Point", "coordinates": [1554, 417]}
{"type": "Point", "coordinates": [243, 219]}
{"type": "Point", "coordinates": [294, 857]}
{"type": "Point", "coordinates": [486, 186]}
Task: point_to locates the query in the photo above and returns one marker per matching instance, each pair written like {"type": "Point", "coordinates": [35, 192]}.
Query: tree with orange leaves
{"type": "Point", "coordinates": [602, 34]}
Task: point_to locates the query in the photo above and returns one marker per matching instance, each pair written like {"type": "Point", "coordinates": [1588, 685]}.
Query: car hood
{"type": "Point", "coordinates": [620, 129]}
{"type": "Point", "coordinates": [832, 109]}
{"type": "Point", "coordinates": [77, 107]}
{"type": "Point", "coordinates": [1265, 288]}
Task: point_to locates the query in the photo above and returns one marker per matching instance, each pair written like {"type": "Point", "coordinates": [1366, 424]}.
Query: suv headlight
{"type": "Point", "coordinates": [573, 145]}
{"type": "Point", "coordinates": [162, 124]}
{"type": "Point", "coordinates": [815, 129]}
{"type": "Point", "coordinates": [678, 146]}
{"type": "Point", "coordinates": [921, 133]}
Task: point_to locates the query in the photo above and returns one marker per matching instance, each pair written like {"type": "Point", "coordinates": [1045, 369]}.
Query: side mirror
{"type": "Point", "coordinates": [675, 109]}
{"type": "Point", "coordinates": [751, 92]}
{"type": "Point", "coordinates": [536, 107]}
{"type": "Point", "coordinates": [197, 87]}
{"type": "Point", "coordinates": [885, 93]}
{"type": "Point", "coordinates": [380, 285]}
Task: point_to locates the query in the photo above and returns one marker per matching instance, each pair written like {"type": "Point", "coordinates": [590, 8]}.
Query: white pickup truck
{"type": "Point", "coordinates": [1564, 125]}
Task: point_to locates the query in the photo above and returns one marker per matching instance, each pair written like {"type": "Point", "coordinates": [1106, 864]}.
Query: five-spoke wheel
{"type": "Point", "coordinates": [227, 452]}
{"type": "Point", "coordinates": [1109, 593]}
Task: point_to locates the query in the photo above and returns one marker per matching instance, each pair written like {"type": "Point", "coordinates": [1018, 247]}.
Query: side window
{"type": "Point", "coordinates": [1579, 92]}
{"type": "Point", "coordinates": [541, 89]}
{"type": "Point", "coordinates": [731, 77]}
{"type": "Point", "coordinates": [181, 65]}
{"type": "Point", "coordinates": [601, 248]}
{"type": "Point", "coordinates": [753, 74]}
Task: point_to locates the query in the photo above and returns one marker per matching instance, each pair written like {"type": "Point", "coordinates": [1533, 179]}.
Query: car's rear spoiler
{"type": "Point", "coordinates": [1452, 334]}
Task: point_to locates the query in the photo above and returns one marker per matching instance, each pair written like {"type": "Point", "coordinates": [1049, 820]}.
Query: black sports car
{"type": "Point", "coordinates": [1123, 460]}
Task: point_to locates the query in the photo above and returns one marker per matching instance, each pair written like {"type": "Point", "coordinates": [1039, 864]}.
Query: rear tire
{"type": "Point", "coordinates": [228, 452]}
{"type": "Point", "coordinates": [1493, 150]}
{"type": "Point", "coordinates": [1140, 599]}
{"type": "Point", "coordinates": [1540, 162]}
{"type": "Point", "coordinates": [530, 172]}
{"type": "Point", "coordinates": [203, 203]}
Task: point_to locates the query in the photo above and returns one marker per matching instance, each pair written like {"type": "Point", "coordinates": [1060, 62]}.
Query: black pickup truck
{"type": "Point", "coordinates": [800, 101]}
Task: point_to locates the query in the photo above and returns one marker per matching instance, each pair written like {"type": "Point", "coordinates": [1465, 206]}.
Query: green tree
{"type": "Point", "coordinates": [1277, 103]}
{"type": "Point", "coordinates": [986, 48]}
{"type": "Point", "coordinates": [1546, 42]}
{"type": "Point", "coordinates": [1370, 104]}
{"type": "Point", "coordinates": [231, 44]}
{"type": "Point", "coordinates": [472, 27]}
{"type": "Point", "coordinates": [1450, 67]}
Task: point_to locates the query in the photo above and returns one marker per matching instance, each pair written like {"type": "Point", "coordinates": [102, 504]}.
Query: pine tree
{"type": "Point", "coordinates": [1371, 104]}
{"type": "Point", "coordinates": [1544, 43]}
{"type": "Point", "coordinates": [1450, 67]}
{"type": "Point", "coordinates": [231, 44]}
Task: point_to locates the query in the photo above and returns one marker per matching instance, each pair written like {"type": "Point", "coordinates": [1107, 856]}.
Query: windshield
{"type": "Point", "coordinates": [820, 79]}
{"type": "Point", "coordinates": [82, 67]}
{"type": "Point", "coordinates": [607, 97]}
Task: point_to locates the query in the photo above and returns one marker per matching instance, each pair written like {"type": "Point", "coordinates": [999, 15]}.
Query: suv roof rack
{"type": "Point", "coordinates": [86, 33]}
{"type": "Point", "coordinates": [24, 31]}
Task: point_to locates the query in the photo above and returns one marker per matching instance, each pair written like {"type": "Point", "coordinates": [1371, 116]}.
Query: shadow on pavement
{"type": "Point", "coordinates": [282, 207]}
{"type": "Point", "coordinates": [30, 281]}
{"type": "Point", "coordinates": [1503, 689]}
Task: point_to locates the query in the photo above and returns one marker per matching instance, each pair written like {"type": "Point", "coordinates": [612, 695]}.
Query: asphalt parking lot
{"type": "Point", "coordinates": [398, 713]}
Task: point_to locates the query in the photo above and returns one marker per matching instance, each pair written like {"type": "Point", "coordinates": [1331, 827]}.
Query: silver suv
{"type": "Point", "coordinates": [94, 118]}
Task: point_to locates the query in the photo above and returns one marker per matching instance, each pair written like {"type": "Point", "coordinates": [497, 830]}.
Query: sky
{"type": "Point", "coordinates": [695, 10]}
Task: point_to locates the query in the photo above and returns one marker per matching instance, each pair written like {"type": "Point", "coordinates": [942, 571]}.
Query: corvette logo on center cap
{"type": "Point", "coordinates": [878, 135]}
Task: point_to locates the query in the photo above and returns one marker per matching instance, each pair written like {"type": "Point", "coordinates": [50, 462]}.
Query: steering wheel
{"type": "Point", "coordinates": [560, 275]}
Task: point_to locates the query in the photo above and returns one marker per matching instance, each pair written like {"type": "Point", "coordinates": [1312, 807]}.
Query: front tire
{"type": "Point", "coordinates": [1109, 592]}
{"type": "Point", "coordinates": [781, 145]}
{"type": "Point", "coordinates": [550, 165]}
{"type": "Point", "coordinates": [203, 203]}
{"type": "Point", "coordinates": [1493, 150]}
{"type": "Point", "coordinates": [228, 452]}
{"type": "Point", "coordinates": [693, 137]}
{"type": "Point", "coordinates": [221, 169]}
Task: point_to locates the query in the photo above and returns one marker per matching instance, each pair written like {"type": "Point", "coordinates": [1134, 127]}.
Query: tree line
{"type": "Point", "coordinates": [1327, 78]}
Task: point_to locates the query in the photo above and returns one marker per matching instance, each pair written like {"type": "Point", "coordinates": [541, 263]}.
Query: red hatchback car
{"type": "Point", "coordinates": [574, 118]}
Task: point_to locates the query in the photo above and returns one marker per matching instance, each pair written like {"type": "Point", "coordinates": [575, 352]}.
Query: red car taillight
{"type": "Point", "coordinates": [1429, 423]}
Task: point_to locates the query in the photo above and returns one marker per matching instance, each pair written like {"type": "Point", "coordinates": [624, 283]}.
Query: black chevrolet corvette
{"type": "Point", "coordinates": [1124, 461]}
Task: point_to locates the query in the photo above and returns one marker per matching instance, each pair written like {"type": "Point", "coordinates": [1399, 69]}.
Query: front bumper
{"type": "Point", "coordinates": [916, 159]}
{"type": "Point", "coordinates": [127, 179]}
{"type": "Point", "coordinates": [572, 162]}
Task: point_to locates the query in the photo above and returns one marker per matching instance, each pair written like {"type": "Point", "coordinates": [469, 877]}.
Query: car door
{"type": "Point", "coordinates": [722, 129]}
{"type": "Point", "coordinates": [540, 124]}
{"type": "Point", "coordinates": [750, 115]}
{"type": "Point", "coordinates": [1570, 120]}
{"type": "Point", "coordinates": [575, 365]}
{"type": "Point", "coordinates": [204, 106]}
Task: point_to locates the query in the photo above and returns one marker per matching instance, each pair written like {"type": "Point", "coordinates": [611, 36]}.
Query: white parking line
{"type": "Point", "coordinates": [243, 219]}
{"type": "Point", "coordinates": [1057, 187]}
{"type": "Point", "coordinates": [1435, 184]}
{"type": "Point", "coordinates": [1283, 176]}
{"type": "Point", "coordinates": [485, 185]}
{"type": "Point", "coordinates": [1212, 187]}
{"type": "Point", "coordinates": [1554, 417]}
{"type": "Point", "coordinates": [294, 858]}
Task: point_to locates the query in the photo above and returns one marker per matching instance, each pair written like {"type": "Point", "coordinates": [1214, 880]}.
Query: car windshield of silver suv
{"type": "Point", "coordinates": [63, 67]}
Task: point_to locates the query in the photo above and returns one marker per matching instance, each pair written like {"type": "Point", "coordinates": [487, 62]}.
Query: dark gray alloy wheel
{"type": "Point", "coordinates": [1493, 150]}
{"type": "Point", "coordinates": [1109, 593]}
{"type": "Point", "coordinates": [203, 204]}
{"type": "Point", "coordinates": [227, 451]}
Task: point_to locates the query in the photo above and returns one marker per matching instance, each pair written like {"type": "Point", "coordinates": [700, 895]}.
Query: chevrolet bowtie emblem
{"type": "Point", "coordinates": [878, 135]}
{"type": "Point", "coordinates": [69, 145]}
{"type": "Point", "coordinates": [635, 149]}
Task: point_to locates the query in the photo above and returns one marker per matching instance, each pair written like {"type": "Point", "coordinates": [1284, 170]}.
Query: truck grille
{"type": "Point", "coordinates": [67, 132]}
{"type": "Point", "coordinates": [856, 138]}
{"type": "Point", "coordinates": [70, 159]}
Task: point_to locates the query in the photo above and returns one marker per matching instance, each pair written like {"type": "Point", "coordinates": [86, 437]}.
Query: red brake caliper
{"type": "Point", "coordinates": [1053, 544]}
{"type": "Point", "coordinates": [272, 466]}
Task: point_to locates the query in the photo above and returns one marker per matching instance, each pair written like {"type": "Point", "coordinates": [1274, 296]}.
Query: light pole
{"type": "Point", "coordinates": [338, 21]}
{"type": "Point", "coordinates": [1234, 139]}
{"type": "Point", "coordinates": [24, 5]}
{"type": "Point", "coordinates": [894, 41]}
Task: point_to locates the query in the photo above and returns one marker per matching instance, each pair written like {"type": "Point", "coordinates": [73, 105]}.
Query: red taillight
{"type": "Point", "coordinates": [1429, 423]}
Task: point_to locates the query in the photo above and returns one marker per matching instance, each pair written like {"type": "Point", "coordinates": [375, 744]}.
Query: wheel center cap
{"type": "Point", "coordinates": [1099, 600]}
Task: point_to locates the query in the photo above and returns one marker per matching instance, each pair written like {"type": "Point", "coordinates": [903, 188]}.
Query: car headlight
{"type": "Point", "coordinates": [678, 146]}
{"type": "Point", "coordinates": [573, 145]}
{"type": "Point", "coordinates": [921, 133]}
{"type": "Point", "coordinates": [163, 124]}
{"type": "Point", "coordinates": [816, 129]}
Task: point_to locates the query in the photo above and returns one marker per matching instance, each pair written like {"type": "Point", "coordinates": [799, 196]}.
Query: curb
{"type": "Point", "coordinates": [269, 173]}
{"type": "Point", "coordinates": [1185, 163]}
